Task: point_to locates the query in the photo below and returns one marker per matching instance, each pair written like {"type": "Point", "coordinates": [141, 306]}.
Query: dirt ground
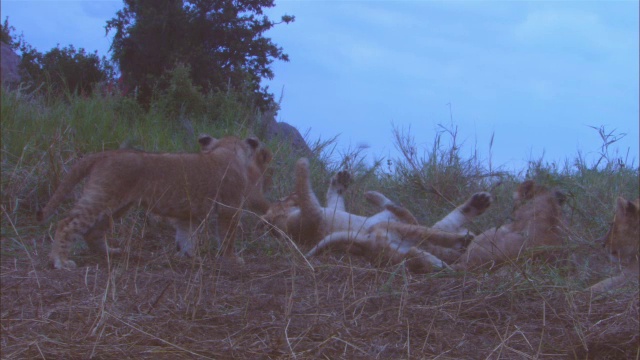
{"type": "Point", "coordinates": [150, 304]}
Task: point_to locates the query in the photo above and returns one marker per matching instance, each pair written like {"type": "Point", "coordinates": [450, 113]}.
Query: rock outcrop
{"type": "Point", "coordinates": [9, 62]}
{"type": "Point", "coordinates": [282, 131]}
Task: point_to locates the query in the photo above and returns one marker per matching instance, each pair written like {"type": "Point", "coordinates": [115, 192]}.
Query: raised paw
{"type": "Point", "coordinates": [341, 181]}
{"type": "Point", "coordinates": [302, 169]}
{"type": "Point", "coordinates": [477, 204]}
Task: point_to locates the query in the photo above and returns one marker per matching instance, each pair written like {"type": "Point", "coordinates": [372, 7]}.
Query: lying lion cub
{"type": "Point", "coordinates": [537, 223]}
{"type": "Point", "coordinates": [225, 176]}
{"type": "Point", "coordinates": [301, 217]}
{"type": "Point", "coordinates": [423, 249]}
{"type": "Point", "coordinates": [623, 242]}
{"type": "Point", "coordinates": [390, 236]}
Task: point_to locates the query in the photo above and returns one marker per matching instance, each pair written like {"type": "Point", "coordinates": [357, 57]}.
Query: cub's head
{"type": "Point", "coordinates": [253, 154]}
{"type": "Point", "coordinates": [276, 218]}
{"type": "Point", "coordinates": [258, 155]}
{"type": "Point", "coordinates": [623, 237]}
{"type": "Point", "coordinates": [529, 190]}
{"type": "Point", "coordinates": [261, 157]}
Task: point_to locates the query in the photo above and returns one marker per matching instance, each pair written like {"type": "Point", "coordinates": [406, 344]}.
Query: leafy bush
{"type": "Point", "coordinates": [60, 71]}
{"type": "Point", "coordinates": [179, 97]}
{"type": "Point", "coordinates": [65, 71]}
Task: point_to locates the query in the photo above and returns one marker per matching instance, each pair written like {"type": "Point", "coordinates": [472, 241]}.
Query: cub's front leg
{"type": "Point", "coordinates": [186, 240]}
{"type": "Point", "coordinates": [228, 225]}
{"type": "Point", "coordinates": [475, 206]}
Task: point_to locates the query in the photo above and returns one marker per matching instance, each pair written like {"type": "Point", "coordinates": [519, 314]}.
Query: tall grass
{"type": "Point", "coordinates": [41, 137]}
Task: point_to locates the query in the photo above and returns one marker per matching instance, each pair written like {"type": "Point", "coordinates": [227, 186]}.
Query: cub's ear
{"type": "Point", "coordinates": [266, 155]}
{"type": "Point", "coordinates": [253, 142]}
{"type": "Point", "coordinates": [560, 196]}
{"type": "Point", "coordinates": [525, 190]}
{"type": "Point", "coordinates": [626, 207]}
{"type": "Point", "coordinates": [207, 142]}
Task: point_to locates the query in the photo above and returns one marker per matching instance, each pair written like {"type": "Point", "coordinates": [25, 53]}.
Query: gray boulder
{"type": "Point", "coordinates": [282, 131]}
{"type": "Point", "coordinates": [9, 62]}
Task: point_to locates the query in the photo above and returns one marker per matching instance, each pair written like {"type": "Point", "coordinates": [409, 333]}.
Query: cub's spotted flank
{"type": "Point", "coordinates": [226, 176]}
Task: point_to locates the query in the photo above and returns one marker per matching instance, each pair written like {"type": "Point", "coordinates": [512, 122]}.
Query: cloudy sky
{"type": "Point", "coordinates": [534, 75]}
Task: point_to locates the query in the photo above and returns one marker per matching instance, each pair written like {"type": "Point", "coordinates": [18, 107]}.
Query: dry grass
{"type": "Point", "coordinates": [150, 304]}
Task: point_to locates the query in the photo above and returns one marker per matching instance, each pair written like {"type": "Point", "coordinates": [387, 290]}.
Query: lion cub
{"type": "Point", "coordinates": [537, 222]}
{"type": "Point", "coordinates": [227, 175]}
{"type": "Point", "coordinates": [301, 217]}
{"type": "Point", "coordinates": [390, 236]}
{"type": "Point", "coordinates": [423, 249]}
{"type": "Point", "coordinates": [622, 240]}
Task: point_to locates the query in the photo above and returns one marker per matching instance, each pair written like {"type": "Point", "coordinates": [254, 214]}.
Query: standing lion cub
{"type": "Point", "coordinates": [227, 175]}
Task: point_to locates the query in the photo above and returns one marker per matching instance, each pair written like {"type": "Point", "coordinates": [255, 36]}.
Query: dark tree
{"type": "Point", "coordinates": [5, 32]}
{"type": "Point", "coordinates": [222, 42]}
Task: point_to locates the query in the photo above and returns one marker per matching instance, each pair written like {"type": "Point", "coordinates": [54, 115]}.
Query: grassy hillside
{"type": "Point", "coordinates": [150, 304]}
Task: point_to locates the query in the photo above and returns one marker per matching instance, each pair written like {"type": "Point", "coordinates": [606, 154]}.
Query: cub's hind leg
{"type": "Point", "coordinates": [402, 214]}
{"type": "Point", "coordinates": [88, 217]}
{"type": "Point", "coordinates": [69, 230]}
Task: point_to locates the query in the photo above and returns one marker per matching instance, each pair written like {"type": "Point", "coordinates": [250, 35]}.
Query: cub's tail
{"type": "Point", "coordinates": [382, 253]}
{"type": "Point", "coordinates": [79, 171]}
{"type": "Point", "coordinates": [340, 238]}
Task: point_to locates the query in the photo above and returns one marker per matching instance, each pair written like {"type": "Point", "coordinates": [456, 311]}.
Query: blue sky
{"type": "Point", "coordinates": [535, 75]}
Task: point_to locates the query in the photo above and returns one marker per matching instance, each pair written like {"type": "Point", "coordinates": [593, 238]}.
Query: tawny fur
{"type": "Point", "coordinates": [186, 230]}
{"type": "Point", "coordinates": [388, 237]}
{"type": "Point", "coordinates": [423, 249]}
{"type": "Point", "coordinates": [623, 243]}
{"type": "Point", "coordinates": [301, 217]}
{"type": "Point", "coordinates": [537, 223]}
{"type": "Point", "coordinates": [184, 187]}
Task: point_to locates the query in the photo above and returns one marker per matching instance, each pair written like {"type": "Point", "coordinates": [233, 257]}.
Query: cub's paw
{"type": "Point", "coordinates": [341, 181]}
{"type": "Point", "coordinates": [114, 251]}
{"type": "Point", "coordinates": [302, 165]}
{"type": "Point", "coordinates": [464, 241]}
{"type": "Point", "coordinates": [477, 204]}
{"type": "Point", "coordinates": [59, 264]}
